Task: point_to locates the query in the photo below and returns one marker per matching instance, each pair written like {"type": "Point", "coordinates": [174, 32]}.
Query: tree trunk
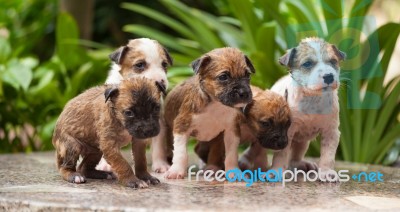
{"type": "Point", "coordinates": [82, 12]}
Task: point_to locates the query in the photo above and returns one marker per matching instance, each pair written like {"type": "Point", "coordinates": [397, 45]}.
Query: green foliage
{"type": "Point", "coordinates": [33, 92]}
{"type": "Point", "coordinates": [263, 29]}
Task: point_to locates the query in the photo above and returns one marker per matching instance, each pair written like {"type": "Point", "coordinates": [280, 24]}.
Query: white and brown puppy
{"type": "Point", "coordinates": [142, 57]}
{"type": "Point", "coordinates": [312, 96]}
{"type": "Point", "coordinates": [207, 104]}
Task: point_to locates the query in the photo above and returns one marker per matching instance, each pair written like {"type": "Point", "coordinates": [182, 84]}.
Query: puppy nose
{"type": "Point", "coordinates": [162, 82]}
{"type": "Point", "coordinates": [328, 78]}
{"type": "Point", "coordinates": [242, 93]}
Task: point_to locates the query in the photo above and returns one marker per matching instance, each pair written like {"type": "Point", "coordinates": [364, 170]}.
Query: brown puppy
{"type": "Point", "coordinates": [102, 120]}
{"type": "Point", "coordinates": [207, 104]}
{"type": "Point", "coordinates": [265, 126]}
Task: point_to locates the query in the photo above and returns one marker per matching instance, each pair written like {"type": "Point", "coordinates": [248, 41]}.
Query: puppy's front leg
{"type": "Point", "coordinates": [261, 158]}
{"type": "Point", "coordinates": [231, 142]}
{"type": "Point", "coordinates": [281, 158]}
{"type": "Point", "coordinates": [139, 157]}
{"type": "Point", "coordinates": [122, 168]}
{"type": "Point", "coordinates": [180, 158]}
{"type": "Point", "coordinates": [329, 144]}
{"type": "Point", "coordinates": [159, 149]}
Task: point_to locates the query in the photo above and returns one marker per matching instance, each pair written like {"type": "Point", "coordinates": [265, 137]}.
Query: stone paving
{"type": "Point", "coordinates": [30, 182]}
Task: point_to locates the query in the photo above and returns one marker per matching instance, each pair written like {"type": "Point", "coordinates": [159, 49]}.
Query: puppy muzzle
{"type": "Point", "coordinates": [145, 131]}
{"type": "Point", "coordinates": [274, 143]}
{"type": "Point", "coordinates": [238, 96]}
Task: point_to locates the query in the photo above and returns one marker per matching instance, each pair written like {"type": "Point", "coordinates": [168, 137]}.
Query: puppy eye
{"type": "Point", "coordinates": [223, 77]}
{"type": "Point", "coordinates": [307, 64]}
{"type": "Point", "coordinates": [140, 65]}
{"type": "Point", "coordinates": [247, 75]}
{"type": "Point", "coordinates": [128, 113]}
{"type": "Point", "coordinates": [266, 124]}
{"type": "Point", "coordinates": [334, 62]}
{"type": "Point", "coordinates": [164, 65]}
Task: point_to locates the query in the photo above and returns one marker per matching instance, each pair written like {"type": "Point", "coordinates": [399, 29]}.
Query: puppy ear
{"type": "Point", "coordinates": [118, 54]}
{"type": "Point", "coordinates": [246, 108]}
{"type": "Point", "coordinates": [110, 93]}
{"type": "Point", "coordinates": [341, 55]}
{"type": "Point", "coordinates": [200, 63]}
{"type": "Point", "coordinates": [161, 88]}
{"type": "Point", "coordinates": [249, 64]}
{"type": "Point", "coordinates": [288, 58]}
{"type": "Point", "coordinates": [169, 58]}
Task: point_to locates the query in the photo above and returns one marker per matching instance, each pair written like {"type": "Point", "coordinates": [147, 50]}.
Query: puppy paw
{"type": "Point", "coordinates": [304, 165]}
{"type": "Point", "coordinates": [175, 173]}
{"type": "Point", "coordinates": [76, 178]}
{"type": "Point", "coordinates": [136, 183]}
{"type": "Point", "coordinates": [328, 175]}
{"type": "Point", "coordinates": [103, 166]}
{"type": "Point", "coordinates": [271, 174]}
{"type": "Point", "coordinates": [160, 166]}
{"type": "Point", "coordinates": [149, 179]}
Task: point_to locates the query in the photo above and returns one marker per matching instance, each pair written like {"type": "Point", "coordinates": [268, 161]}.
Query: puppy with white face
{"type": "Point", "coordinates": [312, 96]}
{"type": "Point", "coordinates": [147, 58]}
{"type": "Point", "coordinates": [141, 57]}
{"type": "Point", "coordinates": [206, 105]}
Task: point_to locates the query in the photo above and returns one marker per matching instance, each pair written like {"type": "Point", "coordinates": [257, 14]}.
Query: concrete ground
{"type": "Point", "coordinates": [31, 183]}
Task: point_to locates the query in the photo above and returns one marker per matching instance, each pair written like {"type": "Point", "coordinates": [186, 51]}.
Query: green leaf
{"type": "Point", "coordinates": [67, 39]}
{"type": "Point", "coordinates": [153, 14]}
{"type": "Point", "coordinates": [18, 74]}
{"type": "Point", "coordinates": [5, 49]}
{"type": "Point", "coordinates": [165, 39]}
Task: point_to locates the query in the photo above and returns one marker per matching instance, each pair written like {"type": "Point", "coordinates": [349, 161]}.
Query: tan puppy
{"type": "Point", "coordinates": [265, 126]}
{"type": "Point", "coordinates": [142, 57]}
{"type": "Point", "coordinates": [102, 120]}
{"type": "Point", "coordinates": [206, 105]}
{"type": "Point", "coordinates": [312, 97]}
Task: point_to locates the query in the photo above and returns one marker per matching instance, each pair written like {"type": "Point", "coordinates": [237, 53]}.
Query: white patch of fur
{"type": "Point", "coordinates": [180, 159]}
{"type": "Point", "coordinates": [314, 80]}
{"type": "Point", "coordinates": [158, 151]}
{"type": "Point", "coordinates": [114, 75]}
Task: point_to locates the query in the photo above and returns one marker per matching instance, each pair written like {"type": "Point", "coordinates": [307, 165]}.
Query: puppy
{"type": "Point", "coordinates": [142, 57]}
{"type": "Point", "coordinates": [265, 126]}
{"type": "Point", "coordinates": [207, 104]}
{"type": "Point", "coordinates": [312, 97]}
{"type": "Point", "coordinates": [102, 120]}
